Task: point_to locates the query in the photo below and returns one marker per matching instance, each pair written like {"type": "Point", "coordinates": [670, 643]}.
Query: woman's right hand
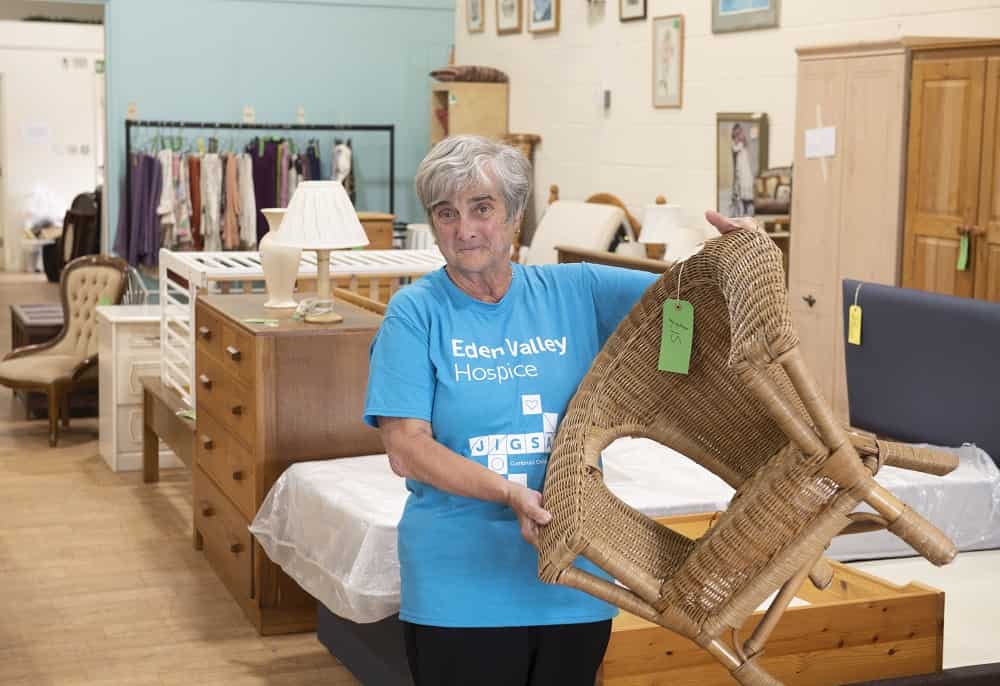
{"type": "Point", "coordinates": [527, 505]}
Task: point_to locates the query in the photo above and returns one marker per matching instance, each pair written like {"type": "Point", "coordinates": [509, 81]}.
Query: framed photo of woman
{"type": "Point", "coordinates": [741, 139]}
{"type": "Point", "coordinates": [474, 15]}
{"type": "Point", "coordinates": [668, 60]}
{"type": "Point", "coordinates": [508, 16]}
{"type": "Point", "coordinates": [543, 16]}
{"type": "Point", "coordinates": [630, 10]}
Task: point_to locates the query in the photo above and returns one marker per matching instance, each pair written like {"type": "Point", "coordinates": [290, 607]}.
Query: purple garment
{"type": "Point", "coordinates": [314, 171]}
{"type": "Point", "coordinates": [138, 236]}
{"type": "Point", "coordinates": [265, 181]}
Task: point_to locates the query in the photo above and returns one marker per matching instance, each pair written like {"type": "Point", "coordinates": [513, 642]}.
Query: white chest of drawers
{"type": "Point", "coordinates": [128, 348]}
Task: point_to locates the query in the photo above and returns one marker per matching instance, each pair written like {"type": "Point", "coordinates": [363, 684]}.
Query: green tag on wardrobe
{"type": "Point", "coordinates": [963, 253]}
{"type": "Point", "coordinates": [678, 330]}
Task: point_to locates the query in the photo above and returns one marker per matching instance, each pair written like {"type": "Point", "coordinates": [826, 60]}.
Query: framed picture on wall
{"type": "Point", "coordinates": [543, 15]}
{"type": "Point", "coordinates": [630, 10]}
{"type": "Point", "coordinates": [474, 15]}
{"type": "Point", "coordinates": [668, 60]}
{"type": "Point", "coordinates": [741, 140]}
{"type": "Point", "coordinates": [743, 15]}
{"type": "Point", "coordinates": [508, 16]}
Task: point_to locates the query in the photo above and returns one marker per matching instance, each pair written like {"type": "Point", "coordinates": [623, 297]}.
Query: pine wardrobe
{"type": "Point", "coordinates": [891, 203]}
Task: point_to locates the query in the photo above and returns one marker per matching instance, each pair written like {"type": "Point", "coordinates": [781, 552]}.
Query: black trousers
{"type": "Point", "coordinates": [557, 655]}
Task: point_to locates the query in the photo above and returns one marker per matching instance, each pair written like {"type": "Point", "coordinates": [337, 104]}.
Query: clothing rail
{"type": "Point", "coordinates": [155, 123]}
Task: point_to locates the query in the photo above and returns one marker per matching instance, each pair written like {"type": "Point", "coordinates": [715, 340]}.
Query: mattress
{"type": "Point", "coordinates": [331, 525]}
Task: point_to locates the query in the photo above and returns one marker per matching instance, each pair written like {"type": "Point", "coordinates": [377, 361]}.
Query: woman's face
{"type": "Point", "coordinates": [472, 231]}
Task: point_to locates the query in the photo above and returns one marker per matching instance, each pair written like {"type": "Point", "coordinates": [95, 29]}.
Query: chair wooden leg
{"type": "Point", "coordinates": [64, 410]}
{"type": "Point", "coordinates": [54, 404]}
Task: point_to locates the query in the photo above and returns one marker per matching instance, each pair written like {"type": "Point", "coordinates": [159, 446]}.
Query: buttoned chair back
{"type": "Point", "coordinates": [748, 411]}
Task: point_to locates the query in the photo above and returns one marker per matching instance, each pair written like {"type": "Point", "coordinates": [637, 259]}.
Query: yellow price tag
{"type": "Point", "coordinates": [854, 325]}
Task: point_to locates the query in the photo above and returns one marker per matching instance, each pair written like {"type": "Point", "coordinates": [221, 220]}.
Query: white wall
{"type": "Point", "coordinates": [637, 152]}
{"type": "Point", "coordinates": [49, 118]}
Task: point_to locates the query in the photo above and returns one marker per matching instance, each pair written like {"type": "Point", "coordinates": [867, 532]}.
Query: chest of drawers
{"type": "Point", "coordinates": [268, 396]}
{"type": "Point", "coordinates": [128, 348]}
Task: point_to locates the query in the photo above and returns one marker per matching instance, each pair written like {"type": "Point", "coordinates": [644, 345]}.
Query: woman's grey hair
{"type": "Point", "coordinates": [462, 162]}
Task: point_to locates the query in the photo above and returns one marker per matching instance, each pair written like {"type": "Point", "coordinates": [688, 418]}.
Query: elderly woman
{"type": "Point", "coordinates": [471, 371]}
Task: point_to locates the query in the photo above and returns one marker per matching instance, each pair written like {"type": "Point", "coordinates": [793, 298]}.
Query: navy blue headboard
{"type": "Point", "coordinates": [928, 367]}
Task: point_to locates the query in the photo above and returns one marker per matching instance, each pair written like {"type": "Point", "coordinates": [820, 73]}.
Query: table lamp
{"type": "Point", "coordinates": [664, 233]}
{"type": "Point", "coordinates": [321, 217]}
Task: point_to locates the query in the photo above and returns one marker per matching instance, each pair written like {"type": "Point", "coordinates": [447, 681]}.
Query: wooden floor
{"type": "Point", "coordinates": [99, 583]}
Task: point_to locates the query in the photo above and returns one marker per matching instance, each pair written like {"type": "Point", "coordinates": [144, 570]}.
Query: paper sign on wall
{"type": "Point", "coordinates": [300, 115]}
{"type": "Point", "coordinates": [249, 116]}
{"type": "Point", "coordinates": [821, 142]}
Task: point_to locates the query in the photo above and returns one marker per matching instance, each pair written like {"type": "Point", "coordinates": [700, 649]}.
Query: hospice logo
{"type": "Point", "coordinates": [506, 454]}
{"type": "Point", "coordinates": [514, 359]}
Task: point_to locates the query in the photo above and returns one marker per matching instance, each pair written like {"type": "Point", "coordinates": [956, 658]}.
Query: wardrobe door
{"type": "Point", "coordinates": [816, 205]}
{"type": "Point", "coordinates": [871, 146]}
{"type": "Point", "coordinates": [986, 234]}
{"type": "Point", "coordinates": [945, 134]}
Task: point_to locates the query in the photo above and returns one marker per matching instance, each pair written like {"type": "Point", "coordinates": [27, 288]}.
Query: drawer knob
{"type": "Point", "coordinates": [810, 301]}
{"type": "Point", "coordinates": [205, 333]}
{"type": "Point", "coordinates": [238, 475]}
{"type": "Point", "coordinates": [235, 548]}
{"type": "Point", "coordinates": [234, 353]}
{"type": "Point", "coordinates": [206, 510]}
{"type": "Point", "coordinates": [205, 381]}
{"type": "Point", "coordinates": [207, 443]}
{"type": "Point", "coordinates": [237, 409]}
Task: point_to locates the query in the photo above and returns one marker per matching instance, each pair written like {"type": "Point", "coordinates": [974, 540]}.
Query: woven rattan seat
{"type": "Point", "coordinates": [747, 411]}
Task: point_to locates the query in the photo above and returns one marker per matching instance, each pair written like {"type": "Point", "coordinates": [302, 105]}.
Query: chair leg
{"type": "Point", "coordinates": [64, 410]}
{"type": "Point", "coordinates": [55, 401]}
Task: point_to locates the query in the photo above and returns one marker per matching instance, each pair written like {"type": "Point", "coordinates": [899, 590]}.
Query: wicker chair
{"type": "Point", "coordinates": [747, 411]}
{"type": "Point", "coordinates": [68, 361]}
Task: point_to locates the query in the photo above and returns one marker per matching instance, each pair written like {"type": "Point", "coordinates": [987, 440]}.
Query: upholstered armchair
{"type": "Point", "coordinates": [69, 361]}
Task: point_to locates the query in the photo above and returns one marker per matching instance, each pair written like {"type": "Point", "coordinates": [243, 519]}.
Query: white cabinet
{"type": "Point", "coordinates": [128, 348]}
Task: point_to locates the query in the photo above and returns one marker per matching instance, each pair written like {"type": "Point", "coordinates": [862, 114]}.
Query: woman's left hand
{"type": "Point", "coordinates": [726, 224]}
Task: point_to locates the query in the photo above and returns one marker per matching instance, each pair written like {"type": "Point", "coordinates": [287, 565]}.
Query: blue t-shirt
{"type": "Point", "coordinates": [493, 380]}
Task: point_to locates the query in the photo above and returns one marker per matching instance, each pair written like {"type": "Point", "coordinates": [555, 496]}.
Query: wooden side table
{"type": "Point", "coordinates": [160, 422]}
{"type": "Point", "coordinates": [38, 323]}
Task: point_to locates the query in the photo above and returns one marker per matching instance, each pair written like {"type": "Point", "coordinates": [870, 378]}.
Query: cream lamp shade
{"type": "Point", "coordinates": [321, 217]}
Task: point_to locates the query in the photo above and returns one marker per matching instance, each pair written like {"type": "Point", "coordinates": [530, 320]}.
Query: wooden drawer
{"type": "Point", "coordinates": [226, 461]}
{"type": "Point", "coordinates": [208, 332]}
{"type": "Point", "coordinates": [226, 398]}
{"type": "Point", "coordinates": [224, 535]}
{"type": "Point", "coordinates": [140, 338]}
{"type": "Point", "coordinates": [129, 429]}
{"type": "Point", "coordinates": [129, 367]}
{"type": "Point", "coordinates": [238, 353]}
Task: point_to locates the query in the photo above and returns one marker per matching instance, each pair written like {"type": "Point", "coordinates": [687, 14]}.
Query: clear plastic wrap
{"type": "Point", "coordinates": [331, 525]}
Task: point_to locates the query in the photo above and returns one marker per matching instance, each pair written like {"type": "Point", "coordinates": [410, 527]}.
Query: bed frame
{"type": "Point", "coordinates": [859, 628]}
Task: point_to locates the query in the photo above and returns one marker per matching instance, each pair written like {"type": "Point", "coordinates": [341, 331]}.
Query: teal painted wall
{"type": "Point", "coordinates": [343, 62]}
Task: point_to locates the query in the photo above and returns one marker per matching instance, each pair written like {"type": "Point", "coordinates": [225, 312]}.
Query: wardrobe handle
{"type": "Point", "coordinates": [234, 353]}
{"type": "Point", "coordinates": [206, 509]}
{"type": "Point", "coordinates": [207, 443]}
{"type": "Point", "coordinates": [238, 475]}
{"type": "Point", "coordinates": [237, 409]}
{"type": "Point", "coordinates": [977, 230]}
{"type": "Point", "coordinates": [205, 333]}
{"type": "Point", "coordinates": [235, 548]}
{"type": "Point", "coordinates": [205, 381]}
{"type": "Point", "coordinates": [810, 301]}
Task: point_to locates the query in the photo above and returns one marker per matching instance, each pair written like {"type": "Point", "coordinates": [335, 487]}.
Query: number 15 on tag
{"type": "Point", "coordinates": [678, 331]}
